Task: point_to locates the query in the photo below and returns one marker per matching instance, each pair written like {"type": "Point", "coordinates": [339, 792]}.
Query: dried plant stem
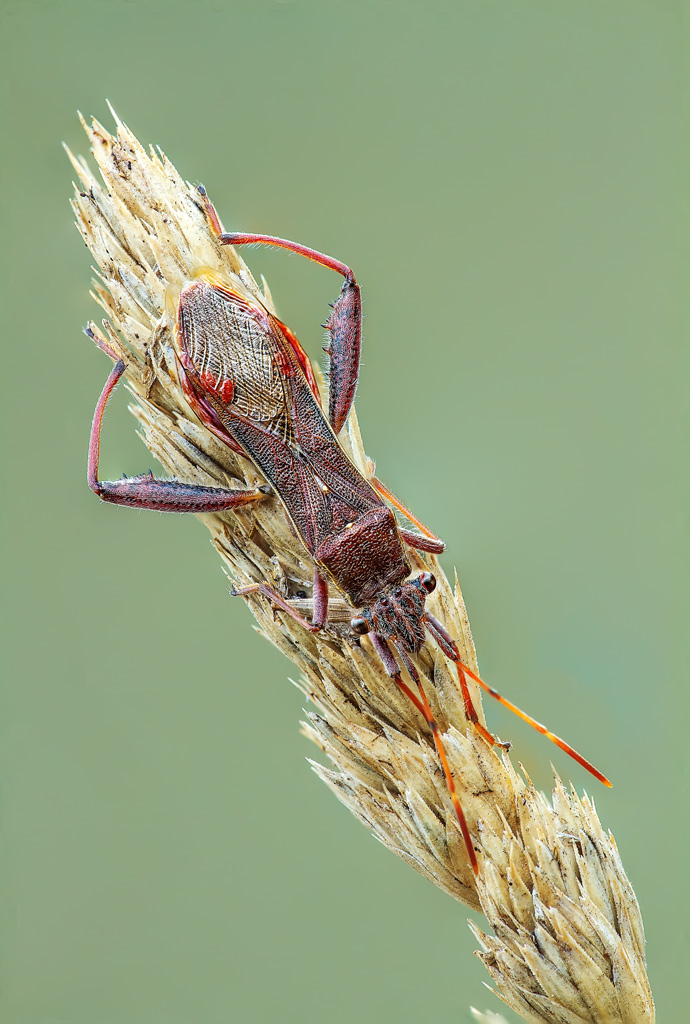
{"type": "Point", "coordinates": [568, 943]}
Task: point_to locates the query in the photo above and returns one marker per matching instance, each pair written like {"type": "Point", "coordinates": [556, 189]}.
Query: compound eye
{"type": "Point", "coordinates": [359, 626]}
{"type": "Point", "coordinates": [428, 581]}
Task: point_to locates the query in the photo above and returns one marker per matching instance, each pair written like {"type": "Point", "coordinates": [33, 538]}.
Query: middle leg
{"type": "Point", "coordinates": [147, 491]}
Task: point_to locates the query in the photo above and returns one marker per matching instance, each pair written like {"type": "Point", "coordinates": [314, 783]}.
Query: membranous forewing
{"type": "Point", "coordinates": [248, 379]}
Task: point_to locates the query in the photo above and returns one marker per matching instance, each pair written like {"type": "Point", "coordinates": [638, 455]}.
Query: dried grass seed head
{"type": "Point", "coordinates": [568, 943]}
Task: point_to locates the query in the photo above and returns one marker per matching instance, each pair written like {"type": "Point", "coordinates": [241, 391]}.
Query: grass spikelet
{"type": "Point", "coordinates": [567, 943]}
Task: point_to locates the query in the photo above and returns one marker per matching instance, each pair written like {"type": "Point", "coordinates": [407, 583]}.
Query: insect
{"type": "Point", "coordinates": [247, 378]}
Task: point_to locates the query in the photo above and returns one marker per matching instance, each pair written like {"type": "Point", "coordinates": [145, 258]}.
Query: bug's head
{"type": "Point", "coordinates": [397, 614]}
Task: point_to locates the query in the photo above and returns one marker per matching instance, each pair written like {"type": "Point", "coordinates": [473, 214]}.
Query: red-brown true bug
{"type": "Point", "coordinates": [246, 377]}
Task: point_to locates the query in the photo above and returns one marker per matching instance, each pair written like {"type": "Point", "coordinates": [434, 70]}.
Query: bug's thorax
{"type": "Point", "coordinates": [365, 557]}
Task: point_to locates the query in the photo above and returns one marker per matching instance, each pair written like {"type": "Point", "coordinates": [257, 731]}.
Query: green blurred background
{"type": "Point", "coordinates": [507, 180]}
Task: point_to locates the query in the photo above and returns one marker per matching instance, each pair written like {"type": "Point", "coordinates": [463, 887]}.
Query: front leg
{"type": "Point", "coordinates": [320, 613]}
{"type": "Point", "coordinates": [147, 491]}
{"type": "Point", "coordinates": [429, 541]}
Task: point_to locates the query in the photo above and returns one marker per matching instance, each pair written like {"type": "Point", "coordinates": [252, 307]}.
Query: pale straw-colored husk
{"type": "Point", "coordinates": [568, 942]}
